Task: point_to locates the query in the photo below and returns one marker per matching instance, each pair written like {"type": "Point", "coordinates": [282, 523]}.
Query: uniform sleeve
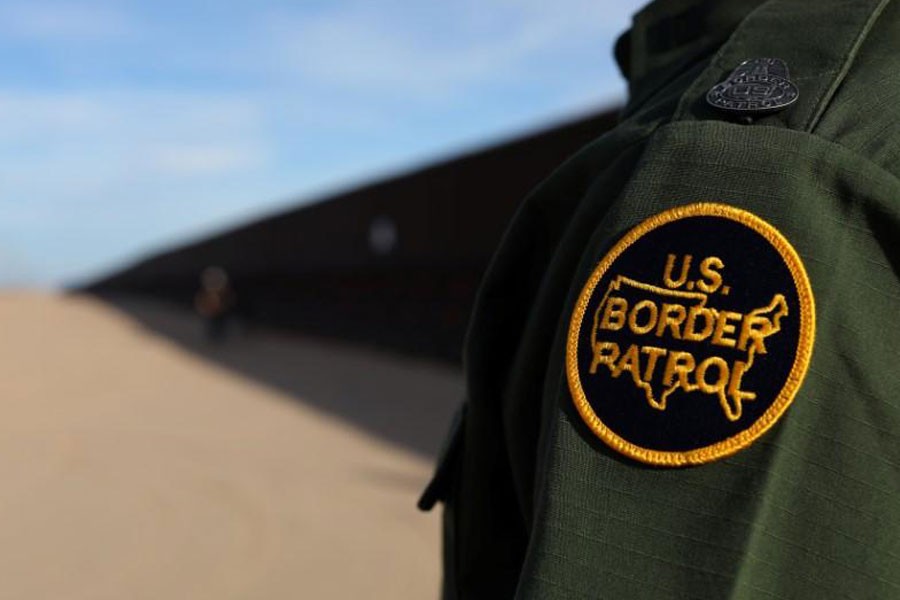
{"type": "Point", "coordinates": [541, 506]}
{"type": "Point", "coordinates": [800, 505]}
{"type": "Point", "coordinates": [669, 254]}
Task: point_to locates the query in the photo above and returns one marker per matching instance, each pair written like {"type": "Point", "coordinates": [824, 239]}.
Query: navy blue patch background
{"type": "Point", "coordinates": [755, 272]}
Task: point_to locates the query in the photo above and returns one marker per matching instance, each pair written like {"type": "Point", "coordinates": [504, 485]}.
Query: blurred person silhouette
{"type": "Point", "coordinates": [215, 302]}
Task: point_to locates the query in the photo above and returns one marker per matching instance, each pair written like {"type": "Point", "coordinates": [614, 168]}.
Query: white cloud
{"type": "Point", "coordinates": [64, 21]}
{"type": "Point", "coordinates": [31, 114]}
{"type": "Point", "coordinates": [78, 139]}
{"type": "Point", "coordinates": [204, 159]}
{"type": "Point", "coordinates": [440, 49]}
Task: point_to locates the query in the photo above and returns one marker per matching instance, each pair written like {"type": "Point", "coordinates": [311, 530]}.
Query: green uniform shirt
{"type": "Point", "coordinates": [537, 505]}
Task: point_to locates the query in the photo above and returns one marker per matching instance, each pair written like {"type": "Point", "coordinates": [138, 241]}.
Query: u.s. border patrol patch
{"type": "Point", "coordinates": [692, 336]}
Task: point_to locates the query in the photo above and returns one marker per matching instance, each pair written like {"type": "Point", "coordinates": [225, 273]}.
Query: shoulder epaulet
{"type": "Point", "coordinates": [754, 63]}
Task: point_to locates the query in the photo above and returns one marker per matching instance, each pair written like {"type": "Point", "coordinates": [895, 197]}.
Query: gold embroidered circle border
{"type": "Point", "coordinates": [746, 437]}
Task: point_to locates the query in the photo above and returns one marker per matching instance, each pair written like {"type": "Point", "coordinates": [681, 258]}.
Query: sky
{"type": "Point", "coordinates": [130, 126]}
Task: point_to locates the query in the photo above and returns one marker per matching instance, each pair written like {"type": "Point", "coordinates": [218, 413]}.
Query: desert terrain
{"type": "Point", "coordinates": [138, 460]}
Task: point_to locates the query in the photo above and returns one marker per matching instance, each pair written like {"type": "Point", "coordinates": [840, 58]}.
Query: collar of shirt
{"type": "Point", "coordinates": [669, 35]}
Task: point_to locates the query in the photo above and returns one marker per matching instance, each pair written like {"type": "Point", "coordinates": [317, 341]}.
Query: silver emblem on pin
{"type": "Point", "coordinates": [756, 86]}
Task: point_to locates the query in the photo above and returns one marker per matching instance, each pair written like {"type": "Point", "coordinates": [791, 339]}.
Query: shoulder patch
{"type": "Point", "coordinates": [691, 336]}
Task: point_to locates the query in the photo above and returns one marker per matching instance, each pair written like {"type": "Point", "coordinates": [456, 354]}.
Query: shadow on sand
{"type": "Point", "coordinates": [404, 401]}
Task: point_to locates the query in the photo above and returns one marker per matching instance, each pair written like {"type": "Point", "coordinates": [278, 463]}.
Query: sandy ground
{"type": "Point", "coordinates": [134, 467]}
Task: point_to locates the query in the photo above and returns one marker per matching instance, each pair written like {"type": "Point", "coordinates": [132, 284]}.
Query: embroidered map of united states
{"type": "Point", "coordinates": [667, 340]}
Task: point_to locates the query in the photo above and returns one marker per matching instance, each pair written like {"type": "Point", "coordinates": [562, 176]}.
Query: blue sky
{"type": "Point", "coordinates": [129, 126]}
